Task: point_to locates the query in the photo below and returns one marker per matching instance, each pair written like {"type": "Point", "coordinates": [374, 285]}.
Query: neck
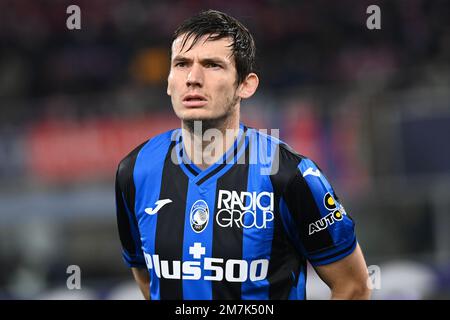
{"type": "Point", "coordinates": [206, 141]}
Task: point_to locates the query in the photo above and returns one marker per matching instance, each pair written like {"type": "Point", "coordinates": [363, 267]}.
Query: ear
{"type": "Point", "coordinates": [169, 93]}
{"type": "Point", "coordinates": [248, 87]}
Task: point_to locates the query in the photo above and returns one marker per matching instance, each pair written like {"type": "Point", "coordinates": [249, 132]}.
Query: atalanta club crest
{"type": "Point", "coordinates": [199, 216]}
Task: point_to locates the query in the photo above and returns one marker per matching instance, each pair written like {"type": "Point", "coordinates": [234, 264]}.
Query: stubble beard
{"type": "Point", "coordinates": [221, 122]}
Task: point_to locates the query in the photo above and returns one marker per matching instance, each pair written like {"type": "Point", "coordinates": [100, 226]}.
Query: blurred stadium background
{"type": "Point", "coordinates": [371, 107]}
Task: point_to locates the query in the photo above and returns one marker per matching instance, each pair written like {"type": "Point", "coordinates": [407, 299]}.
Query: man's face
{"type": "Point", "coordinates": [202, 82]}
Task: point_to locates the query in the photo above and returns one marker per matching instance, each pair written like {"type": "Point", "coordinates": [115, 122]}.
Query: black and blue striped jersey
{"type": "Point", "coordinates": [243, 228]}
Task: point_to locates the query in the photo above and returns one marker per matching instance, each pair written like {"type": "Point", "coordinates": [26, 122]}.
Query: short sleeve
{"type": "Point", "coordinates": [126, 221]}
{"type": "Point", "coordinates": [314, 218]}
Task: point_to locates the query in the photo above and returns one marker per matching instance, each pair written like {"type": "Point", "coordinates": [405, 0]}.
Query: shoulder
{"type": "Point", "coordinates": [288, 166]}
{"type": "Point", "coordinates": [286, 162]}
{"type": "Point", "coordinates": [153, 145]}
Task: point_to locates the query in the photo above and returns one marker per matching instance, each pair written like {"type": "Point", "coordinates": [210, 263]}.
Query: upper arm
{"type": "Point", "coordinates": [129, 234]}
{"type": "Point", "coordinates": [314, 218]}
{"type": "Point", "coordinates": [348, 277]}
{"type": "Point", "coordinates": [143, 280]}
{"type": "Point", "coordinates": [323, 232]}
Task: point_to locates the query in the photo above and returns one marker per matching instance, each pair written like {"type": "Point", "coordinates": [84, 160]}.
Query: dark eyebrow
{"type": "Point", "coordinates": [215, 60]}
{"type": "Point", "coordinates": [180, 59]}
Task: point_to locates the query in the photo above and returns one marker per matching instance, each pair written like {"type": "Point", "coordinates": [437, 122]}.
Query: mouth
{"type": "Point", "coordinates": [194, 101]}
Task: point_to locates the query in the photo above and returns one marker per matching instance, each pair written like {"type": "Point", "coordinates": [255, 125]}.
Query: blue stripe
{"type": "Point", "coordinates": [231, 162]}
{"type": "Point", "coordinates": [231, 151]}
{"type": "Point", "coordinates": [307, 163]}
{"type": "Point", "coordinates": [147, 174]}
{"type": "Point", "coordinates": [340, 231]}
{"type": "Point", "coordinates": [293, 294]}
{"type": "Point", "coordinates": [301, 285]}
{"type": "Point", "coordinates": [318, 189]}
{"type": "Point", "coordinates": [234, 161]}
{"type": "Point", "coordinates": [198, 289]}
{"type": "Point", "coordinates": [266, 151]}
{"type": "Point", "coordinates": [299, 291]}
{"type": "Point", "coordinates": [257, 243]}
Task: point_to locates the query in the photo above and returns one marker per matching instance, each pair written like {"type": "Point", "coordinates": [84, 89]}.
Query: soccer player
{"type": "Point", "coordinates": [217, 210]}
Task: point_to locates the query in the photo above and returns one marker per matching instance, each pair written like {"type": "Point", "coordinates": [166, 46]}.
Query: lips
{"type": "Point", "coordinates": [194, 101]}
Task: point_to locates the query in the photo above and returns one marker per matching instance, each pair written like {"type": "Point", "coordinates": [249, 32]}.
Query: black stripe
{"type": "Point", "coordinates": [336, 197]}
{"type": "Point", "coordinates": [125, 188]}
{"type": "Point", "coordinates": [227, 241]}
{"type": "Point", "coordinates": [334, 254]}
{"type": "Point", "coordinates": [191, 170]}
{"type": "Point", "coordinates": [304, 210]}
{"type": "Point", "coordinates": [284, 259]}
{"type": "Point", "coordinates": [170, 224]}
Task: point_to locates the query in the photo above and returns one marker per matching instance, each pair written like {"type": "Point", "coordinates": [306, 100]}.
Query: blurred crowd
{"type": "Point", "coordinates": [370, 106]}
{"type": "Point", "coordinates": [122, 49]}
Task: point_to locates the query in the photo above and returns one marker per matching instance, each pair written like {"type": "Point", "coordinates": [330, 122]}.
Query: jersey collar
{"type": "Point", "coordinates": [228, 160]}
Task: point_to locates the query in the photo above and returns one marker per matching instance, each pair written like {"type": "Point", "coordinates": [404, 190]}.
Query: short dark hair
{"type": "Point", "coordinates": [218, 25]}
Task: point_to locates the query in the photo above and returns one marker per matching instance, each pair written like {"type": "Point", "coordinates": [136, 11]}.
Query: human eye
{"type": "Point", "coordinates": [180, 64]}
{"type": "Point", "coordinates": [212, 65]}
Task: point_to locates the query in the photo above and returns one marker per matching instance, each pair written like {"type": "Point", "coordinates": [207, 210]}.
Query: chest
{"type": "Point", "coordinates": [212, 221]}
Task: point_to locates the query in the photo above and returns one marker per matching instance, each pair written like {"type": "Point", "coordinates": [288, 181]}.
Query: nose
{"type": "Point", "coordinates": [195, 76]}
